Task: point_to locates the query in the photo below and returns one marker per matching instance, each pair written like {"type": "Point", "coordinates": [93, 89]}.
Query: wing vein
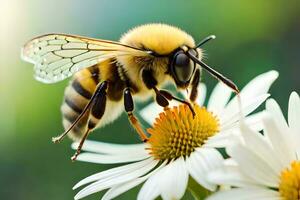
{"type": "Point", "coordinates": [58, 56]}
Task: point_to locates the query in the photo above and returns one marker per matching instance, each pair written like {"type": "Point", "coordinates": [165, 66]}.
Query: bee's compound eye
{"type": "Point", "coordinates": [183, 67]}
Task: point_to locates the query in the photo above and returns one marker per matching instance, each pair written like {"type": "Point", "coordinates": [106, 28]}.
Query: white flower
{"type": "Point", "coordinates": [227, 112]}
{"type": "Point", "coordinates": [264, 166]}
{"type": "Point", "coordinates": [179, 146]}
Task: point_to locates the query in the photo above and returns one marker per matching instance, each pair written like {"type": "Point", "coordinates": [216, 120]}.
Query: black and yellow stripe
{"type": "Point", "coordinates": [77, 95]}
{"type": "Point", "coordinates": [80, 91]}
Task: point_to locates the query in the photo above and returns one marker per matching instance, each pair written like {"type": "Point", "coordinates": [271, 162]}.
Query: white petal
{"type": "Point", "coordinates": [111, 181]}
{"type": "Point", "coordinates": [253, 121]}
{"type": "Point", "coordinates": [273, 108]}
{"type": "Point", "coordinates": [223, 139]}
{"type": "Point", "coordinates": [231, 116]}
{"type": "Point", "coordinates": [150, 189]}
{"type": "Point", "coordinates": [124, 187]}
{"type": "Point", "coordinates": [246, 194]}
{"type": "Point", "coordinates": [221, 143]}
{"type": "Point", "coordinates": [281, 141]}
{"type": "Point", "coordinates": [219, 98]}
{"type": "Point", "coordinates": [230, 162]}
{"type": "Point", "coordinates": [201, 162]}
{"type": "Point", "coordinates": [259, 85]}
{"type": "Point", "coordinates": [110, 159]}
{"type": "Point", "coordinates": [258, 144]}
{"type": "Point", "coordinates": [256, 87]}
{"type": "Point", "coordinates": [230, 176]}
{"type": "Point", "coordinates": [174, 180]}
{"type": "Point", "coordinates": [121, 188]}
{"type": "Point", "coordinates": [110, 148]}
{"type": "Point", "coordinates": [113, 172]}
{"type": "Point", "coordinates": [294, 113]}
{"type": "Point", "coordinates": [253, 166]}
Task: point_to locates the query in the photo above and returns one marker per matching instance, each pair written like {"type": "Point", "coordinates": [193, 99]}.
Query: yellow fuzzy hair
{"type": "Point", "coordinates": [160, 38]}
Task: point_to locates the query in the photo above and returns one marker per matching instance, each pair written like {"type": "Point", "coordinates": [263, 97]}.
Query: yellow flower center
{"type": "Point", "coordinates": [289, 187]}
{"type": "Point", "coordinates": [176, 133]}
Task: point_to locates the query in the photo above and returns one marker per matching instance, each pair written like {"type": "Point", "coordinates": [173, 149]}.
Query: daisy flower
{"type": "Point", "coordinates": [264, 166]}
{"type": "Point", "coordinates": [226, 110]}
{"type": "Point", "coordinates": [179, 146]}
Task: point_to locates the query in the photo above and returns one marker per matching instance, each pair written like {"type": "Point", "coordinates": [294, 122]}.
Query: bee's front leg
{"type": "Point", "coordinates": [169, 96]}
{"type": "Point", "coordinates": [162, 96]}
{"type": "Point", "coordinates": [151, 83]}
{"type": "Point", "coordinates": [129, 107]}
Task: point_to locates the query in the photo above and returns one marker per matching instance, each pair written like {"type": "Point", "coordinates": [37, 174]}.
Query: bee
{"type": "Point", "coordinates": [109, 75]}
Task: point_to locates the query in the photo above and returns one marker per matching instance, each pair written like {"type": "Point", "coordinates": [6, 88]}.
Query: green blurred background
{"type": "Point", "coordinates": [252, 37]}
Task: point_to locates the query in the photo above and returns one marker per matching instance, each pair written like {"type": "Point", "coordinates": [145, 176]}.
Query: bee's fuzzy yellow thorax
{"type": "Point", "coordinates": [160, 38]}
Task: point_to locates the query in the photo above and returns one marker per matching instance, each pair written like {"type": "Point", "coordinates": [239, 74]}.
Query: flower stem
{"type": "Point", "coordinates": [197, 191]}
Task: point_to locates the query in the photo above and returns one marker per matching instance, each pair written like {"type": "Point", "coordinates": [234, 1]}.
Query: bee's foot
{"type": "Point", "coordinates": [145, 140]}
{"type": "Point", "coordinates": [56, 140]}
{"type": "Point", "coordinates": [73, 158]}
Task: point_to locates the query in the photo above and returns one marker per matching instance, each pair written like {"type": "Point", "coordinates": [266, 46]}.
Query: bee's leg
{"type": "Point", "coordinates": [86, 108]}
{"type": "Point", "coordinates": [129, 107]}
{"type": "Point", "coordinates": [168, 96]}
{"type": "Point", "coordinates": [97, 111]}
{"type": "Point", "coordinates": [195, 82]}
{"type": "Point", "coordinates": [64, 134]}
{"type": "Point", "coordinates": [78, 150]}
{"type": "Point", "coordinates": [162, 97]}
{"type": "Point", "coordinates": [151, 83]}
{"type": "Point", "coordinates": [193, 95]}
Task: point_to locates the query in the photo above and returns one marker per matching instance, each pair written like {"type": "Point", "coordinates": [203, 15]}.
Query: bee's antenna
{"type": "Point", "coordinates": [214, 73]}
{"type": "Point", "coordinates": [211, 37]}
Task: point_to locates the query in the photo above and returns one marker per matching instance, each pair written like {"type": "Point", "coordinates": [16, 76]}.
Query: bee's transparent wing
{"type": "Point", "coordinates": [58, 56]}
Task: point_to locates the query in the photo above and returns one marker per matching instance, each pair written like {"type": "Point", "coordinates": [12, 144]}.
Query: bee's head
{"type": "Point", "coordinates": [169, 50]}
{"type": "Point", "coordinates": [181, 67]}
{"type": "Point", "coordinates": [183, 61]}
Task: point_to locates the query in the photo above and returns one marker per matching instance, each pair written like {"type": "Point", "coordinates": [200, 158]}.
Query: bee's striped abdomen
{"type": "Point", "coordinates": [77, 95]}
